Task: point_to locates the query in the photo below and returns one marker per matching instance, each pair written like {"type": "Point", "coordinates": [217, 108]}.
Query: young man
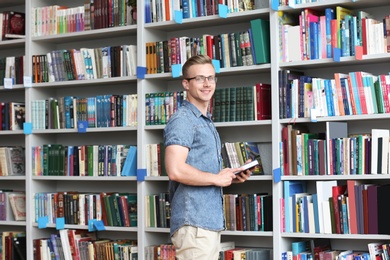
{"type": "Point", "coordinates": [194, 165]}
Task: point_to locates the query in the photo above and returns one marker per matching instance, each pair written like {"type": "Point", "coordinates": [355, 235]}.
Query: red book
{"type": "Point", "coordinates": [353, 225]}
{"type": "Point", "coordinates": [209, 44]}
{"type": "Point", "coordinates": [358, 76]}
{"type": "Point", "coordinates": [352, 96]}
{"type": "Point", "coordinates": [285, 151]}
{"type": "Point", "coordinates": [336, 192]}
{"type": "Point", "coordinates": [372, 209]}
{"type": "Point", "coordinates": [123, 206]}
{"type": "Point", "coordinates": [263, 101]}
{"type": "Point", "coordinates": [364, 35]}
{"type": "Point", "coordinates": [334, 28]}
{"type": "Point", "coordinates": [365, 208]}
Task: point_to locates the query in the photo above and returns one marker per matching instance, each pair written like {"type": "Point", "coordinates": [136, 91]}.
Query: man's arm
{"type": "Point", "coordinates": [178, 170]}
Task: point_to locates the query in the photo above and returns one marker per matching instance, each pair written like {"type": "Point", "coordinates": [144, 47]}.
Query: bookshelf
{"type": "Point", "coordinates": [356, 124]}
{"type": "Point", "coordinates": [267, 131]}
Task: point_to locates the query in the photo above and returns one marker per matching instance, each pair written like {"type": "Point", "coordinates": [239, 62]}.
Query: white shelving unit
{"type": "Point", "coordinates": [259, 131]}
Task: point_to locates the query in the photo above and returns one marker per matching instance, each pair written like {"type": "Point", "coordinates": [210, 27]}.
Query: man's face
{"type": "Point", "coordinates": [200, 84]}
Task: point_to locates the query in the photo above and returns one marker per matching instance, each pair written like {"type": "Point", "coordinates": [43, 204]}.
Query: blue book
{"type": "Point", "coordinates": [186, 8]}
{"type": "Point", "coordinates": [148, 14]}
{"type": "Point", "coordinates": [299, 247]}
{"type": "Point", "coordinates": [130, 166]}
{"type": "Point", "coordinates": [329, 97]}
{"type": "Point", "coordinates": [69, 162]}
{"type": "Point", "coordinates": [316, 219]}
{"type": "Point", "coordinates": [194, 8]}
{"type": "Point", "coordinates": [355, 93]}
{"type": "Point", "coordinates": [252, 44]}
{"type": "Point", "coordinates": [314, 40]}
{"type": "Point", "coordinates": [68, 106]}
{"type": "Point", "coordinates": [346, 36]}
{"type": "Point", "coordinates": [291, 188]}
{"type": "Point", "coordinates": [329, 15]}
{"type": "Point", "coordinates": [354, 40]}
{"type": "Point", "coordinates": [346, 96]}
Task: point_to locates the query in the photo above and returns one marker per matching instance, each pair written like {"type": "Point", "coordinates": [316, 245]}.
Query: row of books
{"type": "Point", "coordinates": [79, 244]}
{"type": "Point", "coordinates": [318, 33]}
{"type": "Point", "coordinates": [228, 104]}
{"type": "Point", "coordinates": [85, 64]}
{"type": "Point", "coordinates": [12, 161]}
{"type": "Point", "coordinates": [100, 111]}
{"type": "Point", "coordinates": [56, 19]}
{"type": "Point", "coordinates": [229, 250]}
{"type": "Point", "coordinates": [12, 205]}
{"type": "Point", "coordinates": [12, 26]}
{"type": "Point", "coordinates": [114, 209]}
{"type": "Point", "coordinates": [304, 153]}
{"type": "Point", "coordinates": [353, 93]}
{"type": "Point", "coordinates": [161, 251]}
{"type": "Point", "coordinates": [165, 10]}
{"type": "Point", "coordinates": [84, 160]}
{"type": "Point", "coordinates": [248, 212]}
{"type": "Point", "coordinates": [158, 210]}
{"type": "Point", "coordinates": [12, 68]}
{"type": "Point", "coordinates": [159, 107]}
{"type": "Point", "coordinates": [232, 49]}
{"type": "Point", "coordinates": [295, 2]}
{"type": "Point", "coordinates": [12, 115]}
{"type": "Point", "coordinates": [246, 103]}
{"type": "Point", "coordinates": [236, 154]}
{"type": "Point", "coordinates": [350, 208]}
{"type": "Point", "coordinates": [317, 249]}
{"type": "Point", "coordinates": [13, 244]}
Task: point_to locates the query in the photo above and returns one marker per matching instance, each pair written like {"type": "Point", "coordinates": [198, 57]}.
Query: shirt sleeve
{"type": "Point", "coordinates": [179, 131]}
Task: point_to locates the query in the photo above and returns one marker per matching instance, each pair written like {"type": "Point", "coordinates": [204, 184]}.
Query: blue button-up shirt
{"type": "Point", "coordinates": [199, 206]}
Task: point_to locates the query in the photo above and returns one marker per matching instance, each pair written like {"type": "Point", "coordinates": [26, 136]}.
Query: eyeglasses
{"type": "Point", "coordinates": [201, 79]}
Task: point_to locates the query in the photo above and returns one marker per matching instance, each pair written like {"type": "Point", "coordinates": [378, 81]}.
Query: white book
{"type": "Point", "coordinates": [378, 155]}
{"type": "Point", "coordinates": [65, 244]}
{"type": "Point", "coordinates": [326, 218]}
{"type": "Point", "coordinates": [293, 47]}
{"type": "Point", "coordinates": [324, 192]}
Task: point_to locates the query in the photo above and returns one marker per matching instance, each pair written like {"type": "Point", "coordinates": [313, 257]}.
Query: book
{"type": "Point", "coordinates": [17, 116]}
{"type": "Point", "coordinates": [18, 205]}
{"type": "Point", "coordinates": [261, 40]}
{"type": "Point", "coordinates": [130, 164]}
{"type": "Point", "coordinates": [247, 166]}
{"type": "Point", "coordinates": [14, 160]}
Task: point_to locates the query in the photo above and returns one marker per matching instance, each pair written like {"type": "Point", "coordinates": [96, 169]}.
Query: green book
{"type": "Point", "coordinates": [261, 40]}
{"type": "Point", "coordinates": [232, 105]}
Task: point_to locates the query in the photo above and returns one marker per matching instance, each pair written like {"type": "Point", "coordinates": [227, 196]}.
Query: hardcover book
{"type": "Point", "coordinates": [18, 205]}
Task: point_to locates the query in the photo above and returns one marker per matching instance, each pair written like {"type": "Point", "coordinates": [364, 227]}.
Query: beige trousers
{"type": "Point", "coordinates": [192, 243]}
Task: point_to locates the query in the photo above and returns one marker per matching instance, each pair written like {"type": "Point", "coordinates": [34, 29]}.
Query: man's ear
{"type": "Point", "coordinates": [185, 84]}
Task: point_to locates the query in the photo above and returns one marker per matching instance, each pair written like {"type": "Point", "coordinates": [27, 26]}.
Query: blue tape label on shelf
{"type": "Point", "coordinates": [141, 71]}
{"type": "Point", "coordinates": [275, 5]}
{"type": "Point", "coordinates": [42, 222]}
{"type": "Point", "coordinates": [178, 16]}
{"type": "Point", "coordinates": [60, 223]}
{"type": "Point", "coordinates": [99, 225]}
{"type": "Point", "coordinates": [141, 174]}
{"type": "Point", "coordinates": [176, 70]}
{"type": "Point", "coordinates": [82, 126]}
{"type": "Point", "coordinates": [222, 10]}
{"type": "Point", "coordinates": [277, 175]}
{"type": "Point", "coordinates": [336, 54]}
{"type": "Point", "coordinates": [91, 226]}
{"type": "Point", "coordinates": [217, 66]}
{"type": "Point", "coordinates": [27, 128]}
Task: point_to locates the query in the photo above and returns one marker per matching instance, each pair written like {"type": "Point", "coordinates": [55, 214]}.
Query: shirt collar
{"type": "Point", "coordinates": [194, 109]}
